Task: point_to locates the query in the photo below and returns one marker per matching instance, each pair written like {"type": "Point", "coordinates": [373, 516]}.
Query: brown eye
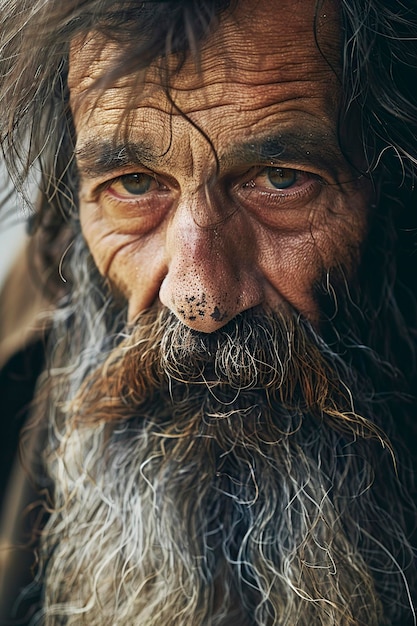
{"type": "Point", "coordinates": [281, 178]}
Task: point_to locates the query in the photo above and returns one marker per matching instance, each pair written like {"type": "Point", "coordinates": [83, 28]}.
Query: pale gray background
{"type": "Point", "coordinates": [12, 224]}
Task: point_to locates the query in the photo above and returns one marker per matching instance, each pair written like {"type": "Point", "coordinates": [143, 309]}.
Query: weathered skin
{"type": "Point", "coordinates": [208, 245]}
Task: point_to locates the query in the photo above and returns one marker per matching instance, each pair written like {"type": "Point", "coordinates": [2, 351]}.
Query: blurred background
{"type": "Point", "coordinates": [13, 216]}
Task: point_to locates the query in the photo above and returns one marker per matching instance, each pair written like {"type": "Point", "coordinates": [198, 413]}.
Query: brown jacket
{"type": "Point", "coordinates": [24, 307]}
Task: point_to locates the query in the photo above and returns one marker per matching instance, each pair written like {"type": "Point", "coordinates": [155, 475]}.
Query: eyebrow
{"type": "Point", "coordinates": [97, 158]}
{"type": "Point", "coordinates": [100, 157]}
{"type": "Point", "coordinates": [293, 147]}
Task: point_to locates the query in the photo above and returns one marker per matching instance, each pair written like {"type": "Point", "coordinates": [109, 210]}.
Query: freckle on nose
{"type": "Point", "coordinates": [193, 307]}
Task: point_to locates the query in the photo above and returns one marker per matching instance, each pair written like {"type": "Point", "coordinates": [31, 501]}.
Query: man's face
{"type": "Point", "coordinates": [232, 477]}
{"type": "Point", "coordinates": [169, 225]}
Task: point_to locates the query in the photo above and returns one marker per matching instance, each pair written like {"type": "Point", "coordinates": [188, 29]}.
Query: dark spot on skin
{"type": "Point", "coordinates": [201, 313]}
{"type": "Point", "coordinates": [192, 318]}
{"type": "Point", "coordinates": [190, 298]}
{"type": "Point", "coordinates": [217, 315]}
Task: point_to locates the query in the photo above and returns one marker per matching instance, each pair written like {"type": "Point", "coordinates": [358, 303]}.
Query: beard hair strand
{"type": "Point", "coordinates": [222, 479]}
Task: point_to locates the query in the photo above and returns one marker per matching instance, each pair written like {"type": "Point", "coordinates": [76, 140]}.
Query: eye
{"type": "Point", "coordinates": [275, 178]}
{"type": "Point", "coordinates": [273, 187]}
{"type": "Point", "coordinates": [133, 185]}
{"type": "Point", "coordinates": [134, 201]}
{"type": "Point", "coordinates": [280, 178]}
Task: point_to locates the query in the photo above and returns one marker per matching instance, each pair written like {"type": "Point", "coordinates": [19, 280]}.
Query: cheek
{"type": "Point", "coordinates": [101, 239]}
{"type": "Point", "coordinates": [293, 262]}
{"type": "Point", "coordinates": [135, 265]}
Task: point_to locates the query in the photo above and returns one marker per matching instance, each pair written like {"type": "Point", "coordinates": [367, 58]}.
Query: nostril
{"type": "Point", "coordinates": [218, 315]}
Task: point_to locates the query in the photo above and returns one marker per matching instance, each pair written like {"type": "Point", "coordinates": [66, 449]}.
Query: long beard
{"type": "Point", "coordinates": [224, 479]}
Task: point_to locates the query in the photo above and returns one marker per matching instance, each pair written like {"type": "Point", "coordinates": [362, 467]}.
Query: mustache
{"type": "Point", "coordinates": [275, 358]}
{"type": "Point", "coordinates": [252, 351]}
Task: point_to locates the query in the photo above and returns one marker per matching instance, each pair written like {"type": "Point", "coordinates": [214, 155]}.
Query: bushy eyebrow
{"type": "Point", "coordinates": [100, 157]}
{"type": "Point", "coordinates": [97, 158]}
{"type": "Point", "coordinates": [301, 148]}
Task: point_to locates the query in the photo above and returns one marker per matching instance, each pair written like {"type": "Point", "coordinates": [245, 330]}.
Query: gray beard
{"type": "Point", "coordinates": [197, 482]}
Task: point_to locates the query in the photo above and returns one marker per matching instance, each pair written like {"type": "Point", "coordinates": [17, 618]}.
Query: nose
{"type": "Point", "coordinates": [212, 274]}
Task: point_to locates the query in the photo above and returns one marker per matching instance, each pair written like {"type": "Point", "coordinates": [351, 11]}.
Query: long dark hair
{"type": "Point", "coordinates": [378, 61]}
{"type": "Point", "coordinates": [378, 55]}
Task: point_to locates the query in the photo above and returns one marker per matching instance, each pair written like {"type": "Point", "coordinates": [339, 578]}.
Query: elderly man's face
{"type": "Point", "coordinates": [168, 224]}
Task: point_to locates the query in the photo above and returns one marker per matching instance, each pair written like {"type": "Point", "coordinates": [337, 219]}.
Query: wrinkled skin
{"type": "Point", "coordinates": [284, 207]}
{"type": "Point", "coordinates": [236, 476]}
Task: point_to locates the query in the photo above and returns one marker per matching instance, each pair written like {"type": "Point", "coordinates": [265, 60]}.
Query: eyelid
{"type": "Point", "coordinates": [135, 212]}
{"type": "Point", "coordinates": [260, 198]}
{"type": "Point", "coordinates": [255, 172]}
{"type": "Point", "coordinates": [99, 186]}
{"type": "Point", "coordinates": [236, 180]}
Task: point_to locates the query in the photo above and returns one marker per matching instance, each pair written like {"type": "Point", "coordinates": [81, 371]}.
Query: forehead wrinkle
{"type": "Point", "coordinates": [232, 54]}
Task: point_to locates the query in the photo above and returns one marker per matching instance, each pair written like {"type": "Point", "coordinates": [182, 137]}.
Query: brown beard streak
{"type": "Point", "coordinates": [276, 357]}
{"type": "Point", "coordinates": [222, 479]}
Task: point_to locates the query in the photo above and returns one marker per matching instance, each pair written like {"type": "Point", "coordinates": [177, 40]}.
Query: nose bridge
{"type": "Point", "coordinates": [206, 208]}
{"type": "Point", "coordinates": [210, 278]}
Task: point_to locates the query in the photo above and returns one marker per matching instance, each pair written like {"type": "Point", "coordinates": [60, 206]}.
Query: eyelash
{"type": "Point", "coordinates": [253, 194]}
{"type": "Point", "coordinates": [245, 189]}
{"type": "Point", "coordinates": [298, 176]}
{"type": "Point", "coordinates": [108, 185]}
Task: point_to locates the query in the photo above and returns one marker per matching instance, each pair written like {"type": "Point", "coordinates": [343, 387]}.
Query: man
{"type": "Point", "coordinates": [226, 193]}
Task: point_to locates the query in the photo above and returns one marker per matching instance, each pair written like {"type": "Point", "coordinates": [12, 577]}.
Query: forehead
{"type": "Point", "coordinates": [261, 44]}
